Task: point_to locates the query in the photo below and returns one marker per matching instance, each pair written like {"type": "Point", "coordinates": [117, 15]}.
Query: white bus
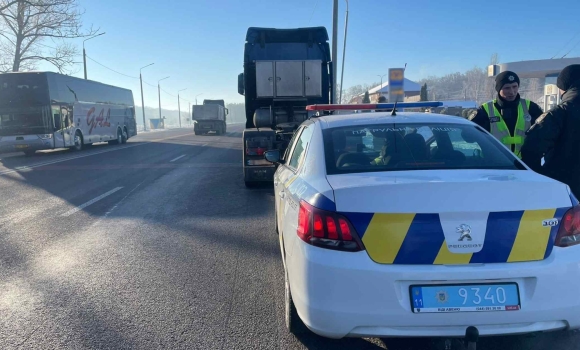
{"type": "Point", "coordinates": [46, 110]}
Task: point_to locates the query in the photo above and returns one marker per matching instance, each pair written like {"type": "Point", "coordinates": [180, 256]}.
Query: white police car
{"type": "Point", "coordinates": [421, 225]}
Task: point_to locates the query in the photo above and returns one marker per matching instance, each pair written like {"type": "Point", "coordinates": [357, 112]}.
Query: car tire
{"type": "Point", "coordinates": [293, 322]}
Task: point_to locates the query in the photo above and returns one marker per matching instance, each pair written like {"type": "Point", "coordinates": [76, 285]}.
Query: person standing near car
{"type": "Point", "coordinates": [508, 116]}
{"type": "Point", "coordinates": [555, 136]}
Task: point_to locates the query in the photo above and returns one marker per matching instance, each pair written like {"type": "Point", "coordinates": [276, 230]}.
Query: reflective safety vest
{"type": "Point", "coordinates": [499, 129]}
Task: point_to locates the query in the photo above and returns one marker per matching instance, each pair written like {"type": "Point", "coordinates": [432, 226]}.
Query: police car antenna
{"type": "Point", "coordinates": [394, 112]}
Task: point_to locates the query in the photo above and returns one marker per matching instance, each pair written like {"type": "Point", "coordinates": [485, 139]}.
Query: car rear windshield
{"type": "Point", "coordinates": [414, 146]}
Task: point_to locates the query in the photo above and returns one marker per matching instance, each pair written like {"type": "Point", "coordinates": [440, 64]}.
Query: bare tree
{"type": "Point", "coordinates": [26, 24]}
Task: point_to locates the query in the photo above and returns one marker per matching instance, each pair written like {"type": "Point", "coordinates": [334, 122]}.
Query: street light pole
{"type": "Point", "coordinates": [159, 93]}
{"type": "Point", "coordinates": [343, 53]}
{"type": "Point", "coordinates": [334, 47]}
{"type": "Point", "coordinates": [179, 106]}
{"type": "Point", "coordinates": [196, 98]}
{"type": "Point", "coordinates": [189, 115]}
{"type": "Point", "coordinates": [142, 100]}
{"type": "Point", "coordinates": [381, 86]}
{"type": "Point", "coordinates": [85, 53]}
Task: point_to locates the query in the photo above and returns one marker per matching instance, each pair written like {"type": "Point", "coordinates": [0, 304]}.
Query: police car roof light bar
{"type": "Point", "coordinates": [364, 106]}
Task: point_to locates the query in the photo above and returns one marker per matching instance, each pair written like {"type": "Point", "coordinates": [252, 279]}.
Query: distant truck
{"type": "Point", "coordinates": [284, 71]}
{"type": "Point", "coordinates": [210, 116]}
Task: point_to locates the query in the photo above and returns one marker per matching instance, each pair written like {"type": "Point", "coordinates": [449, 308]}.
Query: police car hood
{"type": "Point", "coordinates": [453, 216]}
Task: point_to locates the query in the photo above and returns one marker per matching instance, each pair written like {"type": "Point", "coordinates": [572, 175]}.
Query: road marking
{"type": "Point", "coordinates": [92, 201]}
{"type": "Point", "coordinates": [177, 158]}
{"type": "Point", "coordinates": [116, 205]}
{"type": "Point", "coordinates": [205, 144]}
{"type": "Point", "coordinates": [29, 167]}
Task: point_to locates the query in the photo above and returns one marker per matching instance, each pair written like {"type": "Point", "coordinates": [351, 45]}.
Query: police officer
{"type": "Point", "coordinates": [509, 116]}
{"type": "Point", "coordinates": [556, 135]}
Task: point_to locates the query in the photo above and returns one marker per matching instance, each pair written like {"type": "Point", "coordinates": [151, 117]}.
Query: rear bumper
{"type": "Point", "coordinates": [30, 143]}
{"type": "Point", "coordinates": [259, 173]}
{"type": "Point", "coordinates": [341, 294]}
{"type": "Point", "coordinates": [208, 125]}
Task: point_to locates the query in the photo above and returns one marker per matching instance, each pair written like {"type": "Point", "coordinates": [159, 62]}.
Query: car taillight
{"type": "Point", "coordinates": [326, 229]}
{"type": "Point", "coordinates": [569, 231]}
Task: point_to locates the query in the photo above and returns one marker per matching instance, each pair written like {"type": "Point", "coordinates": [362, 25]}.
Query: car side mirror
{"type": "Point", "coordinates": [273, 156]}
{"type": "Point", "coordinates": [241, 84]}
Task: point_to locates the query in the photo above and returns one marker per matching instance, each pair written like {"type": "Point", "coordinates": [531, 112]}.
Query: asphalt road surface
{"type": "Point", "coordinates": [153, 244]}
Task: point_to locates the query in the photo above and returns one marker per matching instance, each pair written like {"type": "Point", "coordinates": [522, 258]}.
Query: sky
{"type": "Point", "coordinates": [199, 43]}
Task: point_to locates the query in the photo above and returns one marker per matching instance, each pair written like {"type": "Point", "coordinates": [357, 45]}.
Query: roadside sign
{"type": "Point", "coordinates": [396, 84]}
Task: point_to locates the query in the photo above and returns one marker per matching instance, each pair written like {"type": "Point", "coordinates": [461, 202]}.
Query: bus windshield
{"type": "Point", "coordinates": [24, 104]}
{"type": "Point", "coordinates": [24, 120]}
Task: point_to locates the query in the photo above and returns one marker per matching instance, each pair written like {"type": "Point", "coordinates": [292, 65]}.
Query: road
{"type": "Point", "coordinates": [152, 244]}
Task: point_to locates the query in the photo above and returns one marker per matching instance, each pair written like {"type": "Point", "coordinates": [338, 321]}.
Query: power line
{"type": "Point", "coordinates": [573, 37]}
{"type": "Point", "coordinates": [102, 65]}
{"type": "Point", "coordinates": [313, 10]}
{"type": "Point", "coordinates": [573, 47]}
{"type": "Point", "coordinates": [135, 78]}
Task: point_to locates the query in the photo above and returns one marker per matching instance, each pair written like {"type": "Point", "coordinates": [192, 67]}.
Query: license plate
{"type": "Point", "coordinates": [465, 298]}
{"type": "Point", "coordinates": [21, 146]}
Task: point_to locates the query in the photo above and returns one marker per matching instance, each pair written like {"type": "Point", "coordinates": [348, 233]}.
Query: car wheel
{"type": "Point", "coordinates": [293, 322]}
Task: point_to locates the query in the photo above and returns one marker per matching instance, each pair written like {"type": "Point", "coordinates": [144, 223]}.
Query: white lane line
{"type": "Point", "coordinates": [92, 201]}
{"type": "Point", "coordinates": [205, 144]}
{"type": "Point", "coordinates": [116, 205]}
{"type": "Point", "coordinates": [177, 158]}
{"type": "Point", "coordinates": [29, 167]}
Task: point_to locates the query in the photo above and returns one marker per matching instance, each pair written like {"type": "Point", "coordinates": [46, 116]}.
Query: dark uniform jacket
{"type": "Point", "coordinates": [556, 137]}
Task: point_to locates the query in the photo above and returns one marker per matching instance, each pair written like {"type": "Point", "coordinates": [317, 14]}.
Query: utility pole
{"type": "Point", "coordinates": [196, 98]}
{"type": "Point", "coordinates": [179, 106]}
{"type": "Point", "coordinates": [343, 53]}
{"type": "Point", "coordinates": [334, 47]}
{"type": "Point", "coordinates": [142, 100]}
{"type": "Point", "coordinates": [189, 115]}
{"type": "Point", "coordinates": [159, 93]}
{"type": "Point", "coordinates": [85, 53]}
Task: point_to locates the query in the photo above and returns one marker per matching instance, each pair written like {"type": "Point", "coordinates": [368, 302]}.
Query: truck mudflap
{"type": "Point", "coordinates": [256, 167]}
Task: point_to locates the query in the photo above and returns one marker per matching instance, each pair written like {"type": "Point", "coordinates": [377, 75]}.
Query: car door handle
{"type": "Point", "coordinates": [281, 194]}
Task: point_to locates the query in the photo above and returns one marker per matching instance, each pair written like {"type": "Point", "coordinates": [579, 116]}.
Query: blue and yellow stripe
{"type": "Point", "coordinates": [418, 239]}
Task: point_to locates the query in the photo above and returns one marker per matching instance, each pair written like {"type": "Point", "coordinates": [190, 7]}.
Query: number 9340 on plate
{"type": "Point", "coordinates": [465, 298]}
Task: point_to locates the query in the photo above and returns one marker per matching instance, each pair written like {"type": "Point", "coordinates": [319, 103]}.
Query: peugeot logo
{"type": "Point", "coordinates": [464, 232]}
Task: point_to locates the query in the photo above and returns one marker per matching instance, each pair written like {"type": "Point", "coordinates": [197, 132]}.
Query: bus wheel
{"type": "Point", "coordinates": [78, 141]}
{"type": "Point", "coordinates": [119, 139]}
{"type": "Point", "coordinates": [124, 136]}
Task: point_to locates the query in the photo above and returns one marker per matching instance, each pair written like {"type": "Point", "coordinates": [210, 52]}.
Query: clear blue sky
{"type": "Point", "coordinates": [199, 43]}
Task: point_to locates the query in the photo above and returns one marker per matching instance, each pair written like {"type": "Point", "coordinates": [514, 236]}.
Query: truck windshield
{"type": "Point", "coordinates": [416, 146]}
{"type": "Point", "coordinates": [24, 121]}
